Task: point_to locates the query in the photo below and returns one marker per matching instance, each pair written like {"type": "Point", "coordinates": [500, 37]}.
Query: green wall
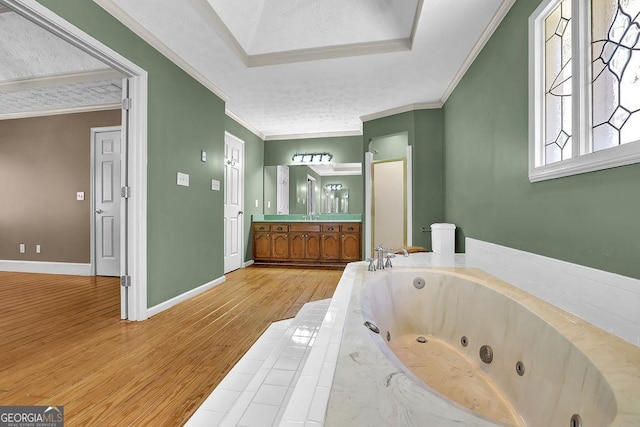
{"type": "Point", "coordinates": [253, 177]}
{"type": "Point", "coordinates": [185, 233]}
{"type": "Point", "coordinates": [589, 219]}
{"type": "Point", "coordinates": [425, 134]}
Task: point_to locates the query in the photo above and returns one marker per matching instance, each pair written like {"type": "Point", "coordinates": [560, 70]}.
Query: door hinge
{"type": "Point", "coordinates": [126, 104]}
{"type": "Point", "coordinates": [125, 192]}
{"type": "Point", "coordinates": [125, 281]}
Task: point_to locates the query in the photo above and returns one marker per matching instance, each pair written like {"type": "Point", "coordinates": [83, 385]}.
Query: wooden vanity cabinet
{"type": "Point", "coordinates": [304, 241]}
{"type": "Point", "coordinates": [350, 244]}
{"type": "Point", "coordinates": [308, 243]}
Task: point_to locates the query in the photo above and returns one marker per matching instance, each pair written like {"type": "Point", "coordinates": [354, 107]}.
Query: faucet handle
{"type": "Point", "coordinates": [372, 266]}
{"type": "Point", "coordinates": [388, 263]}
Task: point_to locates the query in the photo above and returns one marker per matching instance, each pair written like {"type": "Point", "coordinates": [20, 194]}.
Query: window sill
{"type": "Point", "coordinates": [610, 158]}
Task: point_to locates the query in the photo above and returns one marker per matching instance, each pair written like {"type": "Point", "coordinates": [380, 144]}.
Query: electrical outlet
{"type": "Point", "coordinates": [80, 195]}
{"type": "Point", "coordinates": [37, 249]}
{"type": "Point", "coordinates": [23, 248]}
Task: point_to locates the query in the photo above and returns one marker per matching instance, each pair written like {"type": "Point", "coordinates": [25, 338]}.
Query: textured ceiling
{"type": "Point", "coordinates": [314, 96]}
{"type": "Point", "coordinates": [41, 72]}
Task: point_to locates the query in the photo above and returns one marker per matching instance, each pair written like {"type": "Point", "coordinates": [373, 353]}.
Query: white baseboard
{"type": "Point", "coordinates": [247, 264]}
{"type": "Point", "coordinates": [152, 311]}
{"type": "Point", "coordinates": [607, 300]}
{"type": "Point", "coordinates": [75, 269]}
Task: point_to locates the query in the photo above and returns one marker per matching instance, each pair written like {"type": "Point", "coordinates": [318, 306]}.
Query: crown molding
{"type": "Point", "coordinates": [486, 35]}
{"type": "Point", "coordinates": [244, 123]}
{"type": "Point", "coordinates": [165, 50]}
{"type": "Point", "coordinates": [60, 111]}
{"type": "Point", "coordinates": [313, 135]}
{"type": "Point", "coordinates": [58, 80]}
{"type": "Point", "coordinates": [402, 109]}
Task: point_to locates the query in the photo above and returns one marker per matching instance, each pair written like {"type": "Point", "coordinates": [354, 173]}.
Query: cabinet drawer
{"type": "Point", "coordinates": [260, 227]}
{"type": "Point", "coordinates": [330, 228]}
{"type": "Point", "coordinates": [350, 228]}
{"type": "Point", "coordinates": [279, 228]}
{"type": "Point", "coordinates": [305, 227]}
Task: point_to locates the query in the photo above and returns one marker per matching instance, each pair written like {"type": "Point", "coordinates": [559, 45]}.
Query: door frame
{"type": "Point", "coordinates": [94, 133]}
{"type": "Point", "coordinates": [134, 125]}
{"type": "Point", "coordinates": [241, 246]}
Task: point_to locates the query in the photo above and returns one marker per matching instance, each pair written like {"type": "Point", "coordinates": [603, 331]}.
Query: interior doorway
{"type": "Point", "coordinates": [388, 193]}
{"type": "Point", "coordinates": [133, 208]}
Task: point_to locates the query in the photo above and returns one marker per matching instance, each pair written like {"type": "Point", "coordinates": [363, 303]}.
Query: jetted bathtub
{"type": "Point", "coordinates": [458, 346]}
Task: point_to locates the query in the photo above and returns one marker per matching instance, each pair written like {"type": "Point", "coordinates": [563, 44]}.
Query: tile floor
{"type": "Point", "coordinates": [258, 387]}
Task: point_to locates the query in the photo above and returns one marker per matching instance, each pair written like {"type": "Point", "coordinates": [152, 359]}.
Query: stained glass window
{"type": "Point", "coordinates": [615, 34]}
{"type": "Point", "coordinates": [558, 84]}
{"type": "Point", "coordinates": [585, 86]}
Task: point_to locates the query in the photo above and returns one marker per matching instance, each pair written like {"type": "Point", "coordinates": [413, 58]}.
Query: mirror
{"type": "Point", "coordinates": [313, 189]}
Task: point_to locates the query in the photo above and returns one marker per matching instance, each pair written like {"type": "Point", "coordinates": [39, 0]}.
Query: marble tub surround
{"type": "Point", "coordinates": [598, 373]}
{"type": "Point", "coordinates": [570, 366]}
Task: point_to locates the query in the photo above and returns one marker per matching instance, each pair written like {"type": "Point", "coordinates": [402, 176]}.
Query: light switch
{"type": "Point", "coordinates": [183, 179]}
{"type": "Point", "coordinates": [256, 203]}
{"type": "Point", "coordinates": [37, 249]}
{"type": "Point", "coordinates": [215, 185]}
{"type": "Point", "coordinates": [80, 195]}
{"type": "Point", "coordinates": [203, 155]}
{"type": "Point", "coordinates": [22, 248]}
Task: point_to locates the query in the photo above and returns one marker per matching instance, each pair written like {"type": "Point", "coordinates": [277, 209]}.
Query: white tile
{"type": "Point", "coordinates": [204, 418]}
{"type": "Point", "coordinates": [313, 424]}
{"type": "Point", "coordinates": [300, 400]}
{"type": "Point", "coordinates": [247, 366]}
{"type": "Point", "coordinates": [237, 411]}
{"type": "Point", "coordinates": [293, 351]}
{"type": "Point", "coordinates": [220, 400]}
{"type": "Point", "coordinates": [235, 381]}
{"type": "Point", "coordinates": [257, 380]}
{"type": "Point", "coordinates": [259, 415]}
{"type": "Point", "coordinates": [270, 394]}
{"type": "Point", "coordinates": [288, 423]}
{"type": "Point", "coordinates": [319, 404]}
{"type": "Point", "coordinates": [287, 363]}
{"type": "Point", "coordinates": [279, 377]}
{"type": "Point", "coordinates": [326, 375]}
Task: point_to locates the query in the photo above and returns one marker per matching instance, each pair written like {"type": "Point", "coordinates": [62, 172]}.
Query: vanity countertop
{"type": "Point", "coordinates": [304, 218]}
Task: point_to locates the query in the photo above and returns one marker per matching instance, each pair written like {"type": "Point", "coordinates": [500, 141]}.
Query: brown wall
{"type": "Point", "coordinates": [44, 161]}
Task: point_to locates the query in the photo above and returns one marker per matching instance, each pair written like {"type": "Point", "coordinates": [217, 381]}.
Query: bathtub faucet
{"type": "Point", "coordinates": [387, 253]}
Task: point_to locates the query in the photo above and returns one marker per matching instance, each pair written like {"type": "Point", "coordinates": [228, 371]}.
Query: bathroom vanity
{"type": "Point", "coordinates": [306, 242]}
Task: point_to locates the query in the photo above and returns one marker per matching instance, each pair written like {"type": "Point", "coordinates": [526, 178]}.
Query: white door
{"type": "Point", "coordinates": [233, 201]}
{"type": "Point", "coordinates": [107, 202]}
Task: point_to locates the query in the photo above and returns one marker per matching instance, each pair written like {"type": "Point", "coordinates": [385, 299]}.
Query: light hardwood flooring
{"type": "Point", "coordinates": [62, 342]}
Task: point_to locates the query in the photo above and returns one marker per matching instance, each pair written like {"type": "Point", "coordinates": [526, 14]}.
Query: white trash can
{"type": "Point", "coordinates": [443, 238]}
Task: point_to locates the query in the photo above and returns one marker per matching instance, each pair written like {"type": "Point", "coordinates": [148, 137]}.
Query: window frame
{"type": "Point", "coordinates": [584, 159]}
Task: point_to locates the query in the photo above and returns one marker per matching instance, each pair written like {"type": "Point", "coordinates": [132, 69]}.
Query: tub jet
{"type": "Point", "coordinates": [419, 282]}
{"type": "Point", "coordinates": [372, 327]}
{"type": "Point", "coordinates": [421, 340]}
{"type": "Point", "coordinates": [486, 354]}
{"type": "Point", "coordinates": [576, 421]}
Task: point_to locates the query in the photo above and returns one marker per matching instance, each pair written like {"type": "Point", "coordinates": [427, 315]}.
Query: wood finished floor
{"type": "Point", "coordinates": [62, 342]}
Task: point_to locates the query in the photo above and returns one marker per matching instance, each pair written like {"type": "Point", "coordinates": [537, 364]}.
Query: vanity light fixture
{"type": "Point", "coordinates": [315, 158]}
{"type": "Point", "coordinates": [332, 187]}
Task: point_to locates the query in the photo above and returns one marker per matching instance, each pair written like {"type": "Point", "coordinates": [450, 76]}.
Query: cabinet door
{"type": "Point", "coordinates": [279, 246]}
{"type": "Point", "coordinates": [330, 246]}
{"type": "Point", "coordinates": [313, 246]}
{"type": "Point", "coordinates": [297, 245]}
{"type": "Point", "coordinates": [351, 247]}
{"type": "Point", "coordinates": [262, 246]}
